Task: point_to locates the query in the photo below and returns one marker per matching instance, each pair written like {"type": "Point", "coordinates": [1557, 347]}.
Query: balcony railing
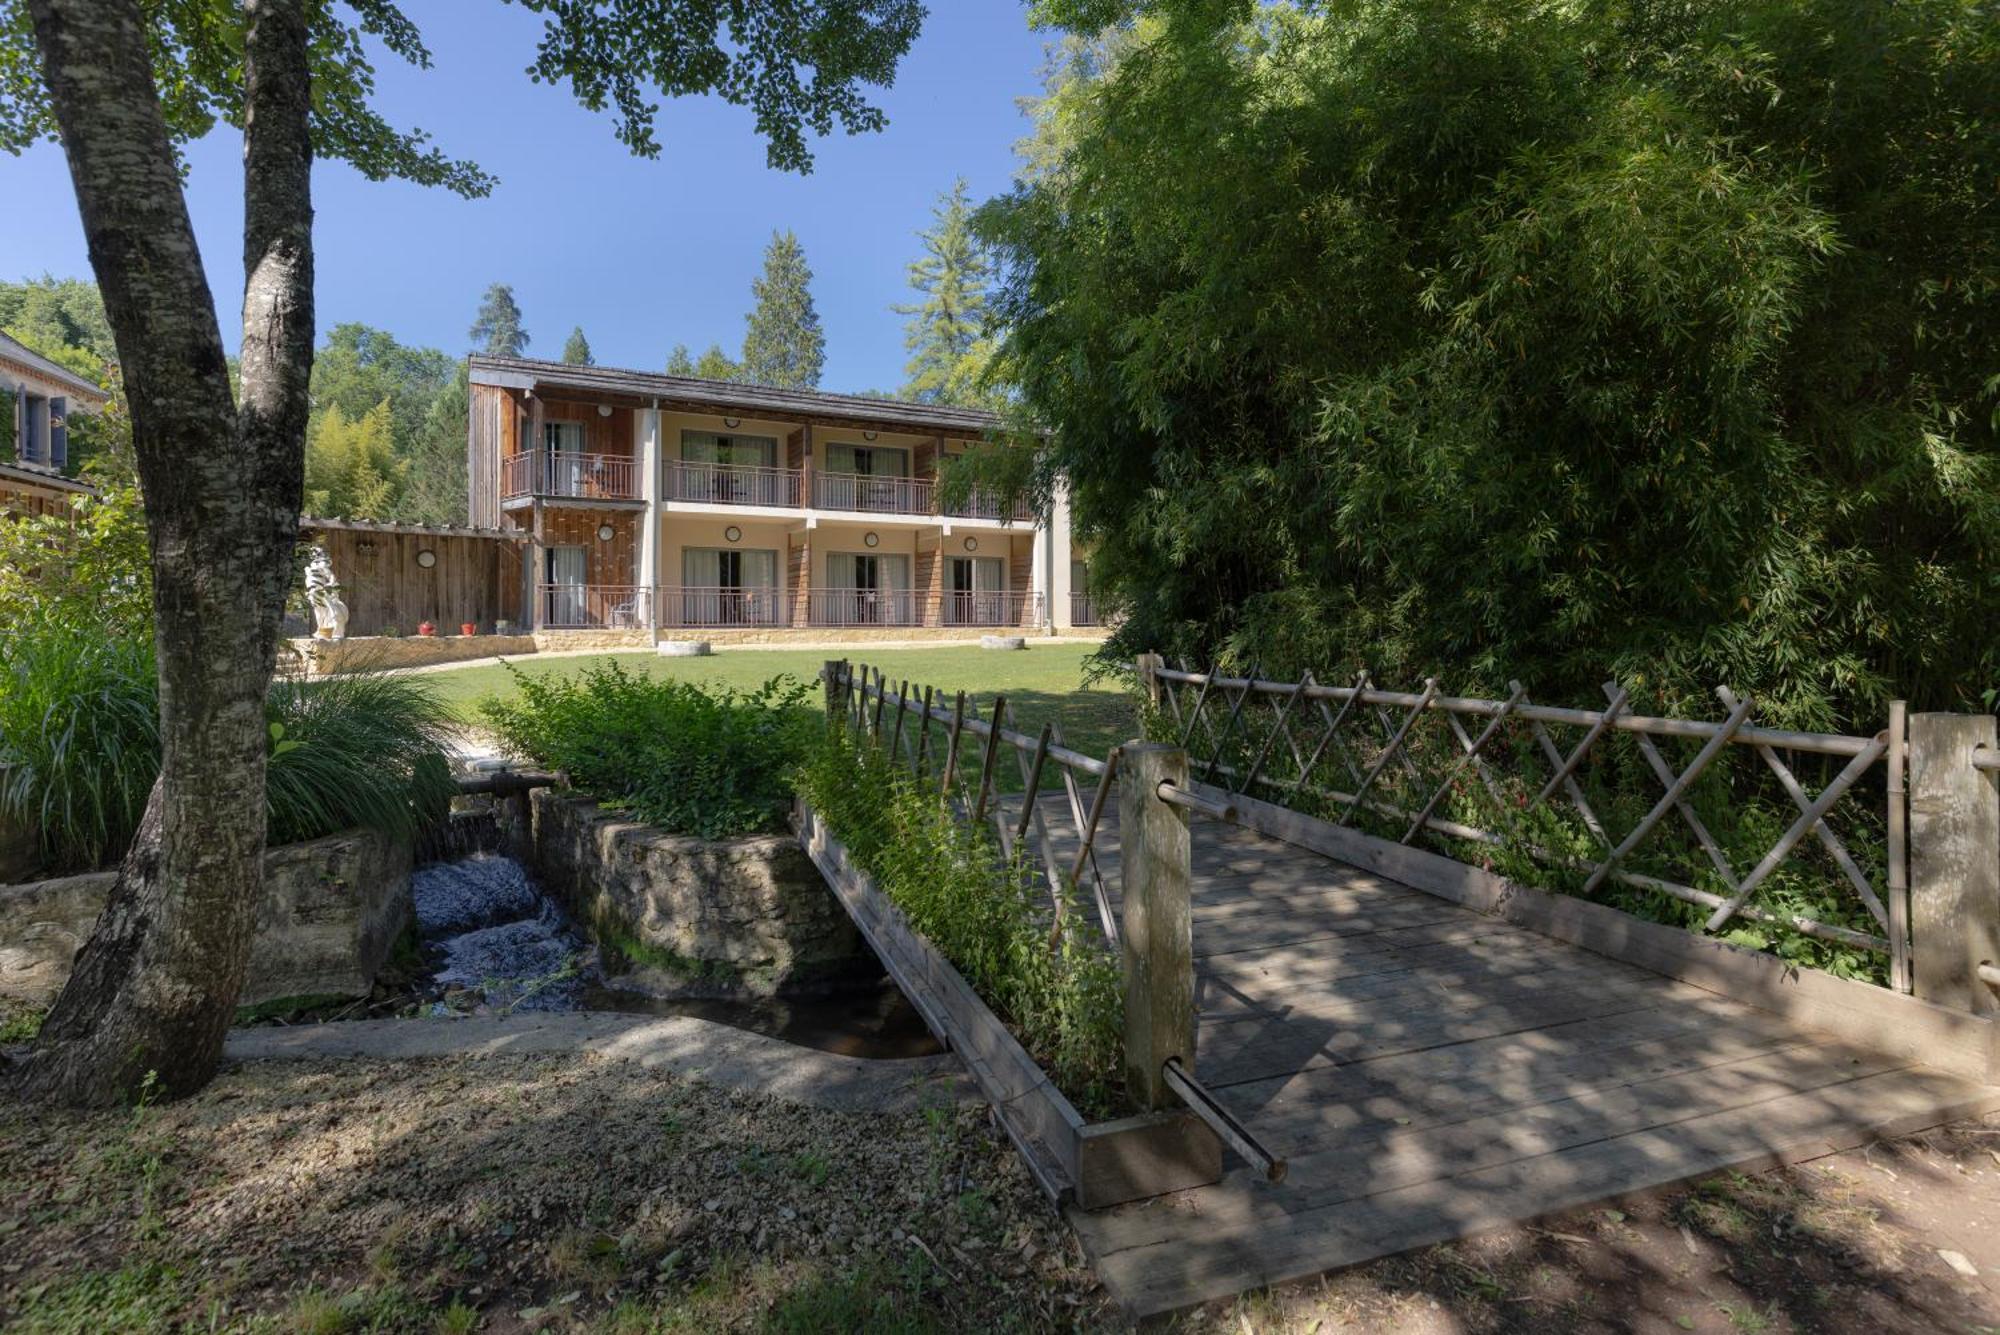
{"type": "Point", "coordinates": [876, 495]}
{"type": "Point", "coordinates": [1082, 610]}
{"type": "Point", "coordinates": [733, 484]}
{"type": "Point", "coordinates": [593, 606]}
{"type": "Point", "coordinates": [568, 474]}
{"type": "Point", "coordinates": [630, 607]}
{"type": "Point", "coordinates": [687, 605]}
{"type": "Point", "coordinates": [981, 505]}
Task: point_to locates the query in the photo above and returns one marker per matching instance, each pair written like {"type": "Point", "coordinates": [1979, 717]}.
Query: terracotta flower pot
{"type": "Point", "coordinates": [426, 628]}
{"type": "Point", "coordinates": [467, 629]}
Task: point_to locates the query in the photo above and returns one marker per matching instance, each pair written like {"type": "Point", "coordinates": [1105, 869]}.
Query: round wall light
{"type": "Point", "coordinates": [732, 422]}
{"type": "Point", "coordinates": [733, 534]}
{"type": "Point", "coordinates": [868, 435]}
{"type": "Point", "coordinates": [606, 533]}
{"type": "Point", "coordinates": [871, 539]}
{"type": "Point", "coordinates": [427, 558]}
{"type": "Point", "coordinates": [972, 544]}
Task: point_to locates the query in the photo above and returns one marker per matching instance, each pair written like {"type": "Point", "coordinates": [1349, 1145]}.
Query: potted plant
{"type": "Point", "coordinates": [503, 627]}
{"type": "Point", "coordinates": [426, 628]}
{"type": "Point", "coordinates": [468, 628]}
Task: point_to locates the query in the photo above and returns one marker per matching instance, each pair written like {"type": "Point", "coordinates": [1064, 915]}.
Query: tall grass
{"type": "Point", "coordinates": [80, 747]}
{"type": "Point", "coordinates": [79, 739]}
{"type": "Point", "coordinates": [359, 749]}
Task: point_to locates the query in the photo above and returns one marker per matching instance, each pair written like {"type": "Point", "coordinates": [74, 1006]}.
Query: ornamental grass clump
{"type": "Point", "coordinates": [1045, 973]}
{"type": "Point", "coordinates": [688, 758]}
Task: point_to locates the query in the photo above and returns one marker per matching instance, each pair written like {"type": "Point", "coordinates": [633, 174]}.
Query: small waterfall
{"type": "Point", "coordinates": [497, 941]}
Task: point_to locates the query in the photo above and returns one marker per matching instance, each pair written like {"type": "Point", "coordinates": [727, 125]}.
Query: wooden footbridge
{"type": "Point", "coordinates": [1428, 1050]}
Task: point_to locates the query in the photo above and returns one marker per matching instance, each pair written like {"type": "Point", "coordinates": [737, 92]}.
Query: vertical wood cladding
{"type": "Point", "coordinates": [476, 579]}
{"type": "Point", "coordinates": [612, 562]}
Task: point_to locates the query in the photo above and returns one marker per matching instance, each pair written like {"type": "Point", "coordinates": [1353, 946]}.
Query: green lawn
{"type": "Point", "coordinates": [1041, 683]}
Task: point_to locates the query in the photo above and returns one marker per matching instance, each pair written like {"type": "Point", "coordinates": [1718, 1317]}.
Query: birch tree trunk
{"type": "Point", "coordinates": [155, 988]}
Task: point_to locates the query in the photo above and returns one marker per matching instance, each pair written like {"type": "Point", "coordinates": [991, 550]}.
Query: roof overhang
{"type": "Point", "coordinates": [316, 524]}
{"type": "Point", "coordinates": [28, 477]}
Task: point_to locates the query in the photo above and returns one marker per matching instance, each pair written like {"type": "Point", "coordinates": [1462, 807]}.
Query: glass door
{"type": "Point", "coordinates": [566, 591]}
{"type": "Point", "coordinates": [564, 442]}
{"type": "Point", "coordinates": [977, 595]}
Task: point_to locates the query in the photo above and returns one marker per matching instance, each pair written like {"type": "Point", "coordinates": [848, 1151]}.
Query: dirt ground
{"type": "Point", "coordinates": [582, 1193]}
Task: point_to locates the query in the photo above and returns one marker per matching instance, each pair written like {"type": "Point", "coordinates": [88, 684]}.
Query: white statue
{"type": "Point", "coordinates": [323, 592]}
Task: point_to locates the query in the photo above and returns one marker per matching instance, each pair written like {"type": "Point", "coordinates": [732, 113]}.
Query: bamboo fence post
{"type": "Point", "coordinates": [986, 761]}
{"type": "Point", "coordinates": [1157, 943]}
{"type": "Point", "coordinates": [1899, 847]}
{"type": "Point", "coordinates": [951, 751]}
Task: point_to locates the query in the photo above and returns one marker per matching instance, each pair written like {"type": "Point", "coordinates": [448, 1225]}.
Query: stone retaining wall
{"type": "Point", "coordinates": [556, 641]}
{"type": "Point", "coordinates": [333, 909]}
{"type": "Point", "coordinates": [686, 916]}
{"type": "Point", "coordinates": [402, 651]}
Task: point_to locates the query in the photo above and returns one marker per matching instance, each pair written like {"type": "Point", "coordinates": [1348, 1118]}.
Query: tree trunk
{"type": "Point", "coordinates": [155, 988]}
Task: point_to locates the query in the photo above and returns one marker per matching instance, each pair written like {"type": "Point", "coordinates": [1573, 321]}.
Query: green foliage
{"type": "Point", "coordinates": [1052, 981]}
{"type": "Point", "coordinates": [352, 471]}
{"type": "Point", "coordinates": [79, 737]}
{"type": "Point", "coordinates": [690, 759]}
{"type": "Point", "coordinates": [1483, 310]}
{"type": "Point", "coordinates": [576, 349]}
{"type": "Point", "coordinates": [434, 487]}
{"type": "Point", "coordinates": [89, 568]}
{"type": "Point", "coordinates": [359, 367]}
{"type": "Point", "coordinates": [783, 345]}
{"type": "Point", "coordinates": [496, 330]}
{"type": "Point", "coordinates": [80, 746]}
{"type": "Point", "coordinates": [57, 313]}
{"type": "Point", "coordinates": [353, 750]}
{"type": "Point", "coordinates": [716, 365]}
{"type": "Point", "coordinates": [680, 362]}
{"type": "Point", "coordinates": [945, 331]}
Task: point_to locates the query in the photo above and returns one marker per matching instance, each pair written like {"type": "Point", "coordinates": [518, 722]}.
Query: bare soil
{"type": "Point", "coordinates": [581, 1192]}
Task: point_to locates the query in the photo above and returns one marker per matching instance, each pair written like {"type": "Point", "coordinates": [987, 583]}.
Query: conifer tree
{"type": "Point", "coordinates": [783, 345]}
{"type": "Point", "coordinates": [576, 351]}
{"type": "Point", "coordinates": [946, 330]}
{"type": "Point", "coordinates": [497, 331]}
{"type": "Point", "coordinates": [715, 365]}
{"type": "Point", "coordinates": [680, 361]}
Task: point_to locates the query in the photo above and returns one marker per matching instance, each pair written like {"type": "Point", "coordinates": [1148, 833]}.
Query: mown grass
{"type": "Point", "coordinates": [1041, 683]}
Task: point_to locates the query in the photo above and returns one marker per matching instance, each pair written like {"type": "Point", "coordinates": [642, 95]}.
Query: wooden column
{"type": "Point", "coordinates": [1954, 861]}
{"type": "Point", "coordinates": [1158, 936]}
{"type": "Point", "coordinates": [1149, 676]}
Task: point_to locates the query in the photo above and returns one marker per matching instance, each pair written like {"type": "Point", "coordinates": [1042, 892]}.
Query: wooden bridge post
{"type": "Point", "coordinates": [1158, 937]}
{"type": "Point", "coordinates": [1954, 861]}
{"type": "Point", "coordinates": [1149, 676]}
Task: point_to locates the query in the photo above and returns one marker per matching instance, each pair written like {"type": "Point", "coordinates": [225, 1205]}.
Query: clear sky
{"type": "Point", "coordinates": [642, 254]}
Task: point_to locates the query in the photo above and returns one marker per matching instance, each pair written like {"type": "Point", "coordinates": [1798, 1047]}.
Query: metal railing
{"type": "Point", "coordinates": [566, 474]}
{"type": "Point", "coordinates": [593, 606]}
{"type": "Point", "coordinates": [990, 609]}
{"type": "Point", "coordinates": [981, 505]}
{"type": "Point", "coordinates": [734, 484]}
{"type": "Point", "coordinates": [874, 495]}
{"type": "Point", "coordinates": [1480, 771]}
{"type": "Point", "coordinates": [1082, 610]}
{"type": "Point", "coordinates": [685, 605]}
{"type": "Point", "coordinates": [864, 607]}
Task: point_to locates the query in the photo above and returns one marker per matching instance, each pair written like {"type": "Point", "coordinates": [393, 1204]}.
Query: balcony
{"type": "Point", "coordinates": [593, 606]}
{"type": "Point", "coordinates": [874, 495]}
{"type": "Point", "coordinates": [693, 608]}
{"type": "Point", "coordinates": [734, 484]}
{"type": "Point", "coordinates": [568, 475]}
{"type": "Point", "coordinates": [1082, 610]}
{"type": "Point", "coordinates": [980, 505]}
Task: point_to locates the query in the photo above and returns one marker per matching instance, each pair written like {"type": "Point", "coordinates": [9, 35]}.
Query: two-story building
{"type": "Point", "coordinates": [42, 396]}
{"type": "Point", "coordinates": [658, 507]}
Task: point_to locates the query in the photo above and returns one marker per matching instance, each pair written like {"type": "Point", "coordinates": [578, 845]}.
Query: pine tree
{"type": "Point", "coordinates": [715, 365]}
{"type": "Point", "coordinates": [352, 471]}
{"type": "Point", "coordinates": [434, 488]}
{"type": "Point", "coordinates": [497, 331]}
{"type": "Point", "coordinates": [576, 352]}
{"type": "Point", "coordinates": [679, 361]}
{"type": "Point", "coordinates": [783, 345]}
{"type": "Point", "coordinates": [946, 330]}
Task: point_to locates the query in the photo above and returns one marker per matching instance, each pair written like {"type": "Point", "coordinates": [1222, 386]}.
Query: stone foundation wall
{"type": "Point", "coordinates": [333, 909]}
{"type": "Point", "coordinates": [676, 914]}
{"type": "Point", "coordinates": [555, 641]}
{"type": "Point", "coordinates": [401, 651]}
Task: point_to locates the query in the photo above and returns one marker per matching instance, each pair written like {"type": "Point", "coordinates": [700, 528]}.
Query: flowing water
{"type": "Point", "coordinates": [495, 943]}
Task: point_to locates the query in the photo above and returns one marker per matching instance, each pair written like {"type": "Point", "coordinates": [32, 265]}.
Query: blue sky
{"type": "Point", "coordinates": [642, 254]}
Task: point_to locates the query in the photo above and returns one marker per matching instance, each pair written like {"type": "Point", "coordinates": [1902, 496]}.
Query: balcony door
{"type": "Point", "coordinates": [729, 470]}
{"type": "Point", "coordinates": [870, 589]}
{"type": "Point", "coordinates": [567, 592]}
{"type": "Point", "coordinates": [729, 586]}
{"type": "Point", "coordinates": [977, 592]}
{"type": "Point", "coordinates": [564, 443]}
{"type": "Point", "coordinates": [864, 477]}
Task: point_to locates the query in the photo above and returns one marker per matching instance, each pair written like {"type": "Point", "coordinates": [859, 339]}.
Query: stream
{"type": "Point", "coordinates": [494, 943]}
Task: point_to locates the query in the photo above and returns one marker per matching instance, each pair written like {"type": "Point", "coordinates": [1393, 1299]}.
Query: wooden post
{"type": "Point", "coordinates": [1954, 861]}
{"type": "Point", "coordinates": [1149, 676]}
{"type": "Point", "coordinates": [836, 697]}
{"type": "Point", "coordinates": [1158, 935]}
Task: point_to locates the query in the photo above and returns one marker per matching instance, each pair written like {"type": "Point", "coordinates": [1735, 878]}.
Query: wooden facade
{"type": "Point", "coordinates": [388, 587]}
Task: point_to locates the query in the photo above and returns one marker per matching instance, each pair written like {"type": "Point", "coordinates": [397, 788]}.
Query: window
{"type": "Point", "coordinates": [869, 589]}
{"type": "Point", "coordinates": [976, 595]}
{"type": "Point", "coordinates": [730, 470]}
{"type": "Point", "coordinates": [867, 460]}
{"type": "Point", "coordinates": [729, 587]}
{"type": "Point", "coordinates": [709, 447]}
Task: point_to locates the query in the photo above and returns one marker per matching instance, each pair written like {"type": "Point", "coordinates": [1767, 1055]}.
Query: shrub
{"type": "Point", "coordinates": [688, 758]}
{"type": "Point", "coordinates": [358, 749]}
{"type": "Point", "coordinates": [1054, 984]}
